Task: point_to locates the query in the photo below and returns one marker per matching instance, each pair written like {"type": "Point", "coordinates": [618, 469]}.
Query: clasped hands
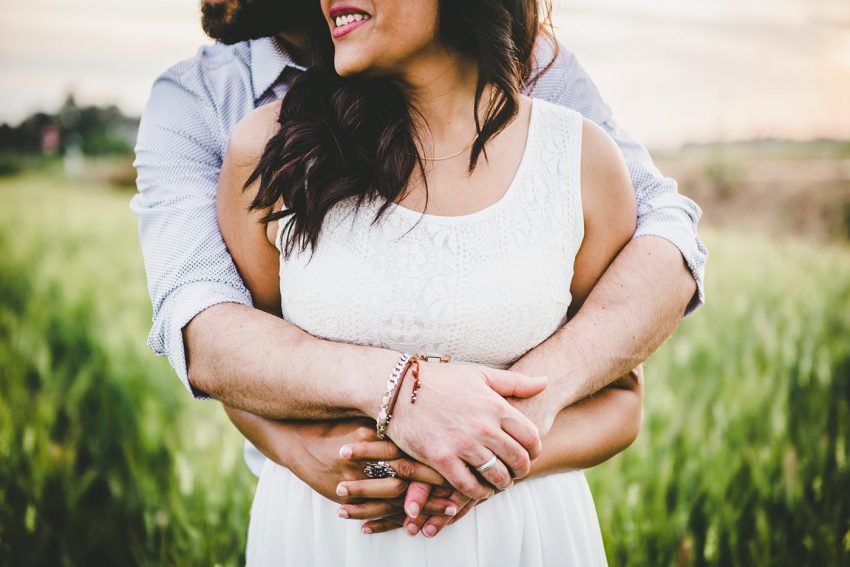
{"type": "Point", "coordinates": [464, 414]}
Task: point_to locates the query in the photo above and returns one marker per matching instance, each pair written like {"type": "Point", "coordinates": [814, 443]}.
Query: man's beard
{"type": "Point", "coordinates": [232, 21]}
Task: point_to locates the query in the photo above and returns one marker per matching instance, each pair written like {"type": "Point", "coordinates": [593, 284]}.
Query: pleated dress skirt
{"type": "Point", "coordinates": [546, 521]}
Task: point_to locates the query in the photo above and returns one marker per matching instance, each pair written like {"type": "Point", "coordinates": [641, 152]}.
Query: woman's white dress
{"type": "Point", "coordinates": [484, 287]}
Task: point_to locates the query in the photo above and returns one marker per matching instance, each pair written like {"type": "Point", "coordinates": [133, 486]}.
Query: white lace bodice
{"type": "Point", "coordinates": [483, 287]}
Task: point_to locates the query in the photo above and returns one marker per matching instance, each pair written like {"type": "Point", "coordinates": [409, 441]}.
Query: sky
{"type": "Point", "coordinates": [674, 71]}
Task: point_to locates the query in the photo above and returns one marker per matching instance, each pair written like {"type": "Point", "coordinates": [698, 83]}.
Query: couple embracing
{"type": "Point", "coordinates": [406, 247]}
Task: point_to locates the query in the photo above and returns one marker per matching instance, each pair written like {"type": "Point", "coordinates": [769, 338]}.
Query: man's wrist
{"type": "Point", "coordinates": [565, 379]}
{"type": "Point", "coordinates": [377, 364]}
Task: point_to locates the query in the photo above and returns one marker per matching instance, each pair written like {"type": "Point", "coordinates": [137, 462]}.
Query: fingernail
{"type": "Point", "coordinates": [343, 513]}
{"type": "Point", "coordinates": [413, 509]}
{"type": "Point", "coordinates": [341, 490]}
{"type": "Point", "coordinates": [411, 529]}
{"type": "Point", "coordinates": [451, 510]}
{"type": "Point", "coordinates": [429, 531]}
{"type": "Point", "coordinates": [345, 451]}
{"type": "Point", "coordinates": [366, 530]}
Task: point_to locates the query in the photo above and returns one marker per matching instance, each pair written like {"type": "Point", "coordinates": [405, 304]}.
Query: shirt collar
{"type": "Point", "coordinates": [268, 61]}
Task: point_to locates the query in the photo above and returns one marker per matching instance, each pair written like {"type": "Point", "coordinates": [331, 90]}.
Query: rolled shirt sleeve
{"type": "Point", "coordinates": [178, 157]}
{"type": "Point", "coordinates": [662, 210]}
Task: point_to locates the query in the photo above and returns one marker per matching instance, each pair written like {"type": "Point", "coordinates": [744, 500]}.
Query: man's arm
{"type": "Point", "coordinates": [654, 280]}
{"type": "Point", "coordinates": [630, 312]}
{"type": "Point", "coordinates": [662, 211]}
{"type": "Point", "coordinates": [595, 429]}
{"type": "Point", "coordinates": [178, 157]}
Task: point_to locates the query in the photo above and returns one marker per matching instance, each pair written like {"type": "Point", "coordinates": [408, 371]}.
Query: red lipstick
{"type": "Point", "coordinates": [342, 28]}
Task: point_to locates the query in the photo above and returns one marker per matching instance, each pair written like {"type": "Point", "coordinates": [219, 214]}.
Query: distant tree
{"type": "Point", "coordinates": [97, 130]}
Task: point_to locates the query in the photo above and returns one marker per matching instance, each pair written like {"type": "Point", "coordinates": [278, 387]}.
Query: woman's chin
{"type": "Point", "coordinates": [347, 70]}
{"type": "Point", "coordinates": [348, 66]}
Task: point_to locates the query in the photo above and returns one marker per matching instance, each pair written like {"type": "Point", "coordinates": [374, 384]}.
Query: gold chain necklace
{"type": "Point", "coordinates": [443, 158]}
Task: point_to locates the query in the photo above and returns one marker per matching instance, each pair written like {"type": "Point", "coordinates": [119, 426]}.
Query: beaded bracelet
{"type": "Point", "coordinates": [394, 386]}
{"type": "Point", "coordinates": [390, 396]}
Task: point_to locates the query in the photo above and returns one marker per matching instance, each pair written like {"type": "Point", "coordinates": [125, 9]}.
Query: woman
{"type": "Point", "coordinates": [420, 203]}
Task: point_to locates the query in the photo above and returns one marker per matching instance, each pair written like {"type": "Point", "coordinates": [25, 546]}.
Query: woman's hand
{"type": "Point", "coordinates": [461, 419]}
{"type": "Point", "coordinates": [384, 498]}
{"type": "Point", "coordinates": [332, 454]}
{"type": "Point", "coordinates": [441, 505]}
{"type": "Point", "coordinates": [330, 457]}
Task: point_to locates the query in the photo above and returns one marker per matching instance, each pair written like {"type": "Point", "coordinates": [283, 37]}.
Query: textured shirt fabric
{"type": "Point", "coordinates": [183, 136]}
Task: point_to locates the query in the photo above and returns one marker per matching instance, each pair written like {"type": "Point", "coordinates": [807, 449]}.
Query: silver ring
{"type": "Point", "coordinates": [379, 469]}
{"type": "Point", "coordinates": [488, 465]}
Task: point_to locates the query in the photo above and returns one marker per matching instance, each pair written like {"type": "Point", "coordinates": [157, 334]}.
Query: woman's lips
{"type": "Point", "coordinates": [347, 28]}
{"type": "Point", "coordinates": [346, 19]}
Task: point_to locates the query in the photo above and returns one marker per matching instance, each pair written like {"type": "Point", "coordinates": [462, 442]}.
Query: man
{"type": "Point", "coordinates": [221, 347]}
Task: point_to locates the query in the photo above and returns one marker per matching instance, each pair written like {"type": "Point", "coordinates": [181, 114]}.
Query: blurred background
{"type": "Point", "coordinates": [743, 459]}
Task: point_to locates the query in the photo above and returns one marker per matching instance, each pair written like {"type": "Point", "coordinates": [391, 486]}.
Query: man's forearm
{"type": "Point", "coordinates": [260, 363]}
{"type": "Point", "coordinates": [595, 429]}
{"type": "Point", "coordinates": [631, 311]}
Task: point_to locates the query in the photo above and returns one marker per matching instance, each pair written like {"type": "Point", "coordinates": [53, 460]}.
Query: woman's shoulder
{"type": "Point", "coordinates": [605, 178]}
{"type": "Point", "coordinates": [245, 147]}
{"type": "Point", "coordinates": [247, 142]}
{"type": "Point", "coordinates": [251, 134]}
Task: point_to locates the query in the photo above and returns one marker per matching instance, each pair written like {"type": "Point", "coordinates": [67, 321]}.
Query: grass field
{"type": "Point", "coordinates": [744, 458]}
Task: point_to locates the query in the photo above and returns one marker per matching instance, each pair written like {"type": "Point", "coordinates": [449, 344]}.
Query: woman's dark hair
{"type": "Point", "coordinates": [354, 137]}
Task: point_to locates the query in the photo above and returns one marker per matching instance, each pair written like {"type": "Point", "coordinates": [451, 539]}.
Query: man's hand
{"type": "Point", "coordinates": [541, 410]}
{"type": "Point", "coordinates": [461, 420]}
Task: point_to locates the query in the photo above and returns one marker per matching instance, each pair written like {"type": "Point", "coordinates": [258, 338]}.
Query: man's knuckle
{"type": "Point", "coordinates": [483, 430]}
{"type": "Point", "coordinates": [443, 458]}
{"type": "Point", "coordinates": [521, 472]}
{"type": "Point", "coordinates": [520, 461]}
{"type": "Point", "coordinates": [498, 479]}
{"type": "Point", "coordinates": [498, 407]}
{"type": "Point", "coordinates": [467, 446]}
{"type": "Point", "coordinates": [482, 493]}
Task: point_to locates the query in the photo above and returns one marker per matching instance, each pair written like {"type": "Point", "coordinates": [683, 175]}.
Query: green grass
{"type": "Point", "coordinates": [104, 459]}
{"type": "Point", "coordinates": [743, 458]}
